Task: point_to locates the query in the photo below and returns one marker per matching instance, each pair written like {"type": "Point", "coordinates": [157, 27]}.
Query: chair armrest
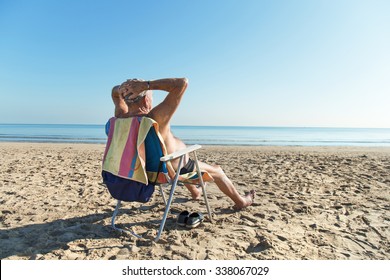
{"type": "Point", "coordinates": [180, 153]}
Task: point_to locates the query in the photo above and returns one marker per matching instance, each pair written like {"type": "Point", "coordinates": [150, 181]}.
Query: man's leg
{"type": "Point", "coordinates": [225, 185]}
{"type": "Point", "coordinates": [195, 192]}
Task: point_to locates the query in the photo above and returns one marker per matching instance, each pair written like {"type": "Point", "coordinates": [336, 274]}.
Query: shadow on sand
{"type": "Point", "coordinates": [46, 237]}
{"type": "Point", "coordinates": [43, 238]}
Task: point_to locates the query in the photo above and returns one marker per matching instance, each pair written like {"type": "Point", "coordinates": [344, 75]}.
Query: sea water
{"type": "Point", "coordinates": [207, 135]}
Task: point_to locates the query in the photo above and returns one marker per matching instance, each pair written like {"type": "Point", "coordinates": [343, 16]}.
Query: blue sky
{"type": "Point", "coordinates": [256, 63]}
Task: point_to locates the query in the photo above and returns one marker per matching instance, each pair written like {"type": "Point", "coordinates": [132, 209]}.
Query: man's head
{"type": "Point", "coordinates": [141, 104]}
{"type": "Point", "coordinates": [137, 96]}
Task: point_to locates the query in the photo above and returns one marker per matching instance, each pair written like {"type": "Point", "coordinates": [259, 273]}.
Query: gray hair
{"type": "Point", "coordinates": [140, 96]}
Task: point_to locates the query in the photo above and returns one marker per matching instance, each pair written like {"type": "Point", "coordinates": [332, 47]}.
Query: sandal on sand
{"type": "Point", "coordinates": [182, 218]}
{"type": "Point", "coordinates": [194, 220]}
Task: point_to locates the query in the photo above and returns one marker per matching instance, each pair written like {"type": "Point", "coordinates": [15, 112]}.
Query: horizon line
{"type": "Point", "coordinates": [181, 125]}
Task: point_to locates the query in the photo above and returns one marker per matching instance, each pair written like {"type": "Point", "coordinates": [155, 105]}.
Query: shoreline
{"type": "Point", "coordinates": [218, 146]}
{"type": "Point", "coordinates": [311, 203]}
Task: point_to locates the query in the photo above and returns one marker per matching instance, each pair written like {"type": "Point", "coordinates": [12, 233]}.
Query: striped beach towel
{"type": "Point", "coordinates": [125, 153]}
{"type": "Point", "coordinates": [133, 151]}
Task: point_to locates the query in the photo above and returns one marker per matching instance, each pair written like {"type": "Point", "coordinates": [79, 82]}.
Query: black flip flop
{"type": "Point", "coordinates": [194, 220]}
{"type": "Point", "coordinates": [182, 218]}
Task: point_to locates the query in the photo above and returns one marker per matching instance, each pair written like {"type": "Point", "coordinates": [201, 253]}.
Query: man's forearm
{"type": "Point", "coordinates": [170, 85]}
{"type": "Point", "coordinates": [121, 109]}
{"type": "Point", "coordinates": [163, 112]}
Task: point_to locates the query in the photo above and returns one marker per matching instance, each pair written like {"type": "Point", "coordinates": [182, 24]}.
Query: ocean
{"type": "Point", "coordinates": [207, 135]}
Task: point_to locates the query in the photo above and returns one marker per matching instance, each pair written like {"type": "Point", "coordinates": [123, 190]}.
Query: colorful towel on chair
{"type": "Point", "coordinates": [125, 155]}
{"type": "Point", "coordinates": [193, 178]}
{"type": "Point", "coordinates": [133, 151]}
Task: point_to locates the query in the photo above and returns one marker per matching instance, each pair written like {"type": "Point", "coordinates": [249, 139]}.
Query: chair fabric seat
{"type": "Point", "coordinates": [127, 190]}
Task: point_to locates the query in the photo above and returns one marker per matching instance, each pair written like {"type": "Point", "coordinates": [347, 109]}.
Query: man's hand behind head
{"type": "Point", "coordinates": [133, 88]}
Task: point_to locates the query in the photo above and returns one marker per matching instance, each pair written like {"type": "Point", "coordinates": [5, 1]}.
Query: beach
{"type": "Point", "coordinates": [315, 203]}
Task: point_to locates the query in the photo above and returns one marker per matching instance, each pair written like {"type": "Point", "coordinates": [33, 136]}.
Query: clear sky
{"type": "Point", "coordinates": [256, 63]}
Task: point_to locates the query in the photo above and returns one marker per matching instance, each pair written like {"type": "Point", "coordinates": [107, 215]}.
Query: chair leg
{"type": "Point", "coordinates": [163, 195]}
{"type": "Point", "coordinates": [168, 205]}
{"type": "Point", "coordinates": [118, 205]}
{"type": "Point", "coordinates": [203, 187]}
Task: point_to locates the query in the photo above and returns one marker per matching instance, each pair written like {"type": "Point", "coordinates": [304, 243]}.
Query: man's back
{"type": "Point", "coordinates": [162, 113]}
{"type": "Point", "coordinates": [134, 98]}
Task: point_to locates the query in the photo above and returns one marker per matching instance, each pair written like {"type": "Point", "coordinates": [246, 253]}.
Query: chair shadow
{"type": "Point", "coordinates": [44, 238]}
{"type": "Point", "coordinates": [29, 240]}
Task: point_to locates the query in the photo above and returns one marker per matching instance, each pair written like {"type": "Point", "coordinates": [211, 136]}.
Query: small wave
{"type": "Point", "coordinates": [51, 139]}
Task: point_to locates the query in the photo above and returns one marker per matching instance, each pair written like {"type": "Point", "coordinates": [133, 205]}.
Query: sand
{"type": "Point", "coordinates": [312, 203]}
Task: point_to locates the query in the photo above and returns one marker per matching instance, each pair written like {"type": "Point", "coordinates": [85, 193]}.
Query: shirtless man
{"type": "Point", "coordinates": [135, 97]}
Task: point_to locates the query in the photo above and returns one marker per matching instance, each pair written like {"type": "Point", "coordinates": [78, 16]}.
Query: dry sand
{"type": "Point", "coordinates": [311, 203]}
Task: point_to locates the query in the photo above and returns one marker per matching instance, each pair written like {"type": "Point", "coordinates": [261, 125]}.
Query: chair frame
{"type": "Point", "coordinates": [173, 182]}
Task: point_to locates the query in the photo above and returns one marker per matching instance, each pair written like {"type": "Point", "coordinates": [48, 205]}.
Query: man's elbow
{"type": "Point", "coordinates": [184, 83]}
{"type": "Point", "coordinates": [115, 91]}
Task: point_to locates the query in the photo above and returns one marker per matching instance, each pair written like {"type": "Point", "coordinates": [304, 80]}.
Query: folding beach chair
{"type": "Point", "coordinates": [135, 160]}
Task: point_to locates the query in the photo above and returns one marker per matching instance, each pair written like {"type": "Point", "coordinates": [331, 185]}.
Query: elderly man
{"type": "Point", "coordinates": [134, 98]}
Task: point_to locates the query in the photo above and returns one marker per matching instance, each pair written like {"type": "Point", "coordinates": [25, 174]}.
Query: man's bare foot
{"type": "Point", "coordinates": [196, 197]}
{"type": "Point", "coordinates": [196, 193]}
{"type": "Point", "coordinates": [248, 199]}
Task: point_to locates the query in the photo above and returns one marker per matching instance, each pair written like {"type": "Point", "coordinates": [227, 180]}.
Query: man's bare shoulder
{"type": "Point", "coordinates": [158, 113]}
